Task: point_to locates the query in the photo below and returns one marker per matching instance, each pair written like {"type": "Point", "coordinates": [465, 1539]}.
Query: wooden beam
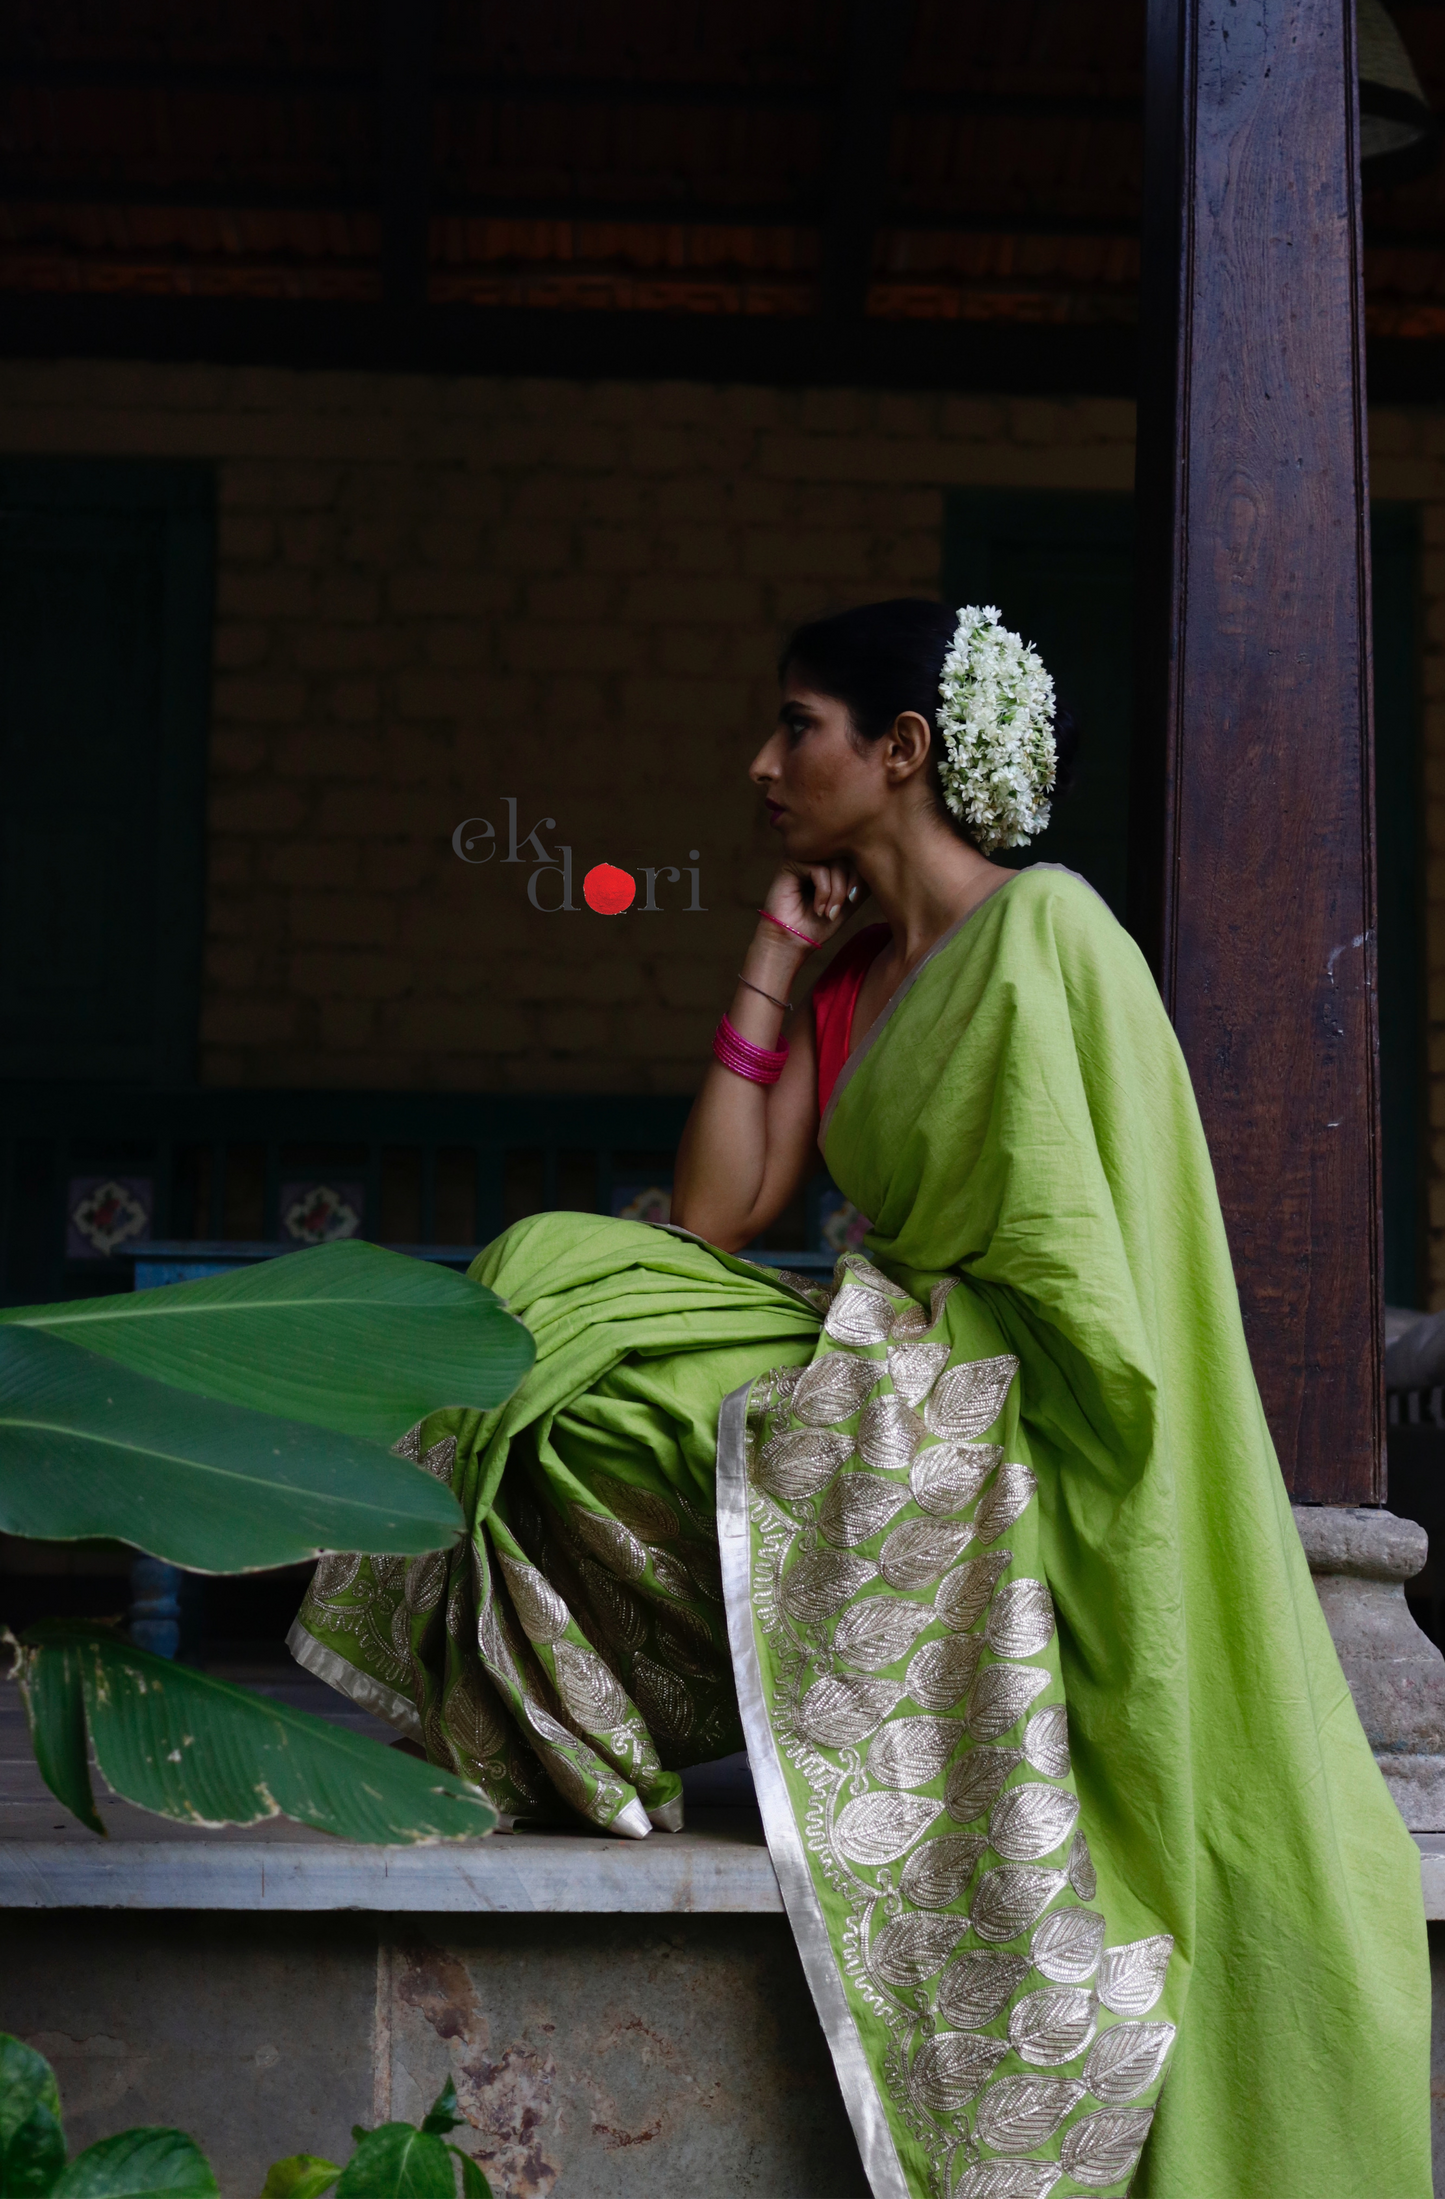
{"type": "Point", "coordinates": [1253, 841]}
{"type": "Point", "coordinates": [880, 32]}
{"type": "Point", "coordinates": [405, 91]}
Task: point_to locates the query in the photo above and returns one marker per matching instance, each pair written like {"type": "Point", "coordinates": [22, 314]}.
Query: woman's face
{"type": "Point", "coordinates": [822, 789]}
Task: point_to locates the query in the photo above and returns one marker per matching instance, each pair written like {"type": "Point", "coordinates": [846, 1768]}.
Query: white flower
{"type": "Point", "coordinates": [996, 716]}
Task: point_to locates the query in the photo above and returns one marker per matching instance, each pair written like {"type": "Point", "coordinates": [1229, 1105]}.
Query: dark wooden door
{"type": "Point", "coordinates": [105, 627]}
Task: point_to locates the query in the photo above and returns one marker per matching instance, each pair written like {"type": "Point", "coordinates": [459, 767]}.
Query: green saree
{"type": "Point", "coordinates": [985, 1554]}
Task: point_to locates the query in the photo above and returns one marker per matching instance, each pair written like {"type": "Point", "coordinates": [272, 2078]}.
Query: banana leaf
{"type": "Point", "coordinates": [88, 1447]}
{"type": "Point", "coordinates": [32, 2143]}
{"type": "Point", "coordinates": [344, 1336]}
{"type": "Point", "coordinates": [139, 2164]}
{"type": "Point", "coordinates": [203, 1752]}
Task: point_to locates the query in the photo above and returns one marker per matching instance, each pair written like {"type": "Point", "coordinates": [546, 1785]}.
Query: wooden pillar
{"type": "Point", "coordinates": [1252, 855]}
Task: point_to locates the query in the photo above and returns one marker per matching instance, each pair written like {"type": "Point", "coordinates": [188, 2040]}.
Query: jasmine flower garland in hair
{"type": "Point", "coordinates": [996, 716]}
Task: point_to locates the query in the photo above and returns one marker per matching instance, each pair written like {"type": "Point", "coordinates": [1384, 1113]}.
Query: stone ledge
{"type": "Point", "coordinates": [1360, 1543]}
{"type": "Point", "coordinates": [701, 1872]}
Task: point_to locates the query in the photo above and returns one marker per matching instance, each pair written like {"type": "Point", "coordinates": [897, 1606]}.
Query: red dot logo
{"type": "Point", "coordinates": [608, 890]}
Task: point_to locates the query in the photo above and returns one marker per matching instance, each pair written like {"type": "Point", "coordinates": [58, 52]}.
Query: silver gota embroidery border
{"type": "Point", "coordinates": [930, 1728]}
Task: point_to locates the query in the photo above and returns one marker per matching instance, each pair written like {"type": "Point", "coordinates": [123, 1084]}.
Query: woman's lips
{"type": "Point", "coordinates": [775, 811]}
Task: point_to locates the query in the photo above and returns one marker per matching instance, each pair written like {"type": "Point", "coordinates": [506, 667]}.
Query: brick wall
{"type": "Point", "coordinates": [437, 593]}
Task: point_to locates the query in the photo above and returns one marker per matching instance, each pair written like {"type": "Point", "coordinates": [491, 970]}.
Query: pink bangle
{"type": "Point", "coordinates": [759, 1064]}
{"type": "Point", "coordinates": [792, 928]}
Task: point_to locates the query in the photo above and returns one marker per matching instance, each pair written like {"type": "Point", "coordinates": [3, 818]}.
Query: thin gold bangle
{"type": "Point", "coordinates": [785, 1005]}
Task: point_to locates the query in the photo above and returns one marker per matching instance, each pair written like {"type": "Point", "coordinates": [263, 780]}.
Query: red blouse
{"type": "Point", "coordinates": [835, 997]}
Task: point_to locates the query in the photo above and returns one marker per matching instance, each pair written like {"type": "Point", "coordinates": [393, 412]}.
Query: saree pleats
{"type": "Point", "coordinates": [571, 1654]}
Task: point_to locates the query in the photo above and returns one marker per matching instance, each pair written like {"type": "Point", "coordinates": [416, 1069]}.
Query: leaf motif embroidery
{"type": "Point", "coordinates": [1007, 1501]}
{"type": "Point", "coordinates": [1052, 2026]}
{"type": "Point", "coordinates": [969, 1398]}
{"type": "Point", "coordinates": [858, 1316]}
{"type": "Point", "coordinates": [1102, 2148]}
{"type": "Point", "coordinates": [935, 1875]}
{"type": "Point", "coordinates": [619, 1614]}
{"type": "Point", "coordinates": [911, 1948]}
{"type": "Point", "coordinates": [537, 1604]}
{"type": "Point", "coordinates": [1008, 2180]}
{"type": "Point", "coordinates": [1081, 1869]}
{"type": "Point", "coordinates": [878, 1828]}
{"type": "Point", "coordinates": [588, 1690]}
{"type": "Point", "coordinates": [1131, 1977]}
{"type": "Point", "coordinates": [672, 1576]}
{"type": "Point", "coordinates": [821, 1582]}
{"type": "Point", "coordinates": [1000, 1696]}
{"type": "Point", "coordinates": [834, 1388]}
{"type": "Point", "coordinates": [889, 1433]}
{"type": "Point", "coordinates": [1031, 1820]}
{"type": "Point", "coordinates": [1046, 1741]}
{"type": "Point", "coordinates": [864, 1272]}
{"type": "Point", "coordinates": [909, 1752]}
{"type": "Point", "coordinates": [607, 1539]}
{"type": "Point", "coordinates": [942, 1672]}
{"type": "Point", "coordinates": [857, 1506]}
{"type": "Point", "coordinates": [1021, 1621]}
{"type": "Point", "coordinates": [947, 1478]}
{"type": "Point", "coordinates": [976, 1781]}
{"type": "Point", "coordinates": [839, 1713]}
{"type": "Point", "coordinates": [916, 1320]}
{"type": "Point", "coordinates": [650, 1515]}
{"type": "Point", "coordinates": [914, 1368]}
{"type": "Point", "coordinates": [686, 1642]}
{"type": "Point", "coordinates": [917, 1552]}
{"type": "Point", "coordinates": [879, 1632]}
{"type": "Point", "coordinates": [1012, 1897]}
{"type": "Point", "coordinates": [800, 1464]}
{"type": "Point", "coordinates": [966, 1591]}
{"type": "Point", "coordinates": [1019, 2113]}
{"type": "Point", "coordinates": [1066, 1946]}
{"type": "Point", "coordinates": [663, 1700]}
{"type": "Point", "coordinates": [426, 1577]}
{"type": "Point", "coordinates": [952, 2067]}
{"type": "Point", "coordinates": [1126, 2060]}
{"type": "Point", "coordinates": [975, 1987]}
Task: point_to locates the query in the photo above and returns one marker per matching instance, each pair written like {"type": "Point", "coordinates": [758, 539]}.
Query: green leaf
{"type": "Point", "coordinates": [55, 1708]}
{"type": "Point", "coordinates": [442, 2115]}
{"type": "Point", "coordinates": [137, 2164]}
{"type": "Point", "coordinates": [474, 2184]}
{"type": "Point", "coordinates": [204, 1752]}
{"type": "Point", "coordinates": [398, 2162]}
{"type": "Point", "coordinates": [299, 2176]}
{"type": "Point", "coordinates": [88, 1447]}
{"type": "Point", "coordinates": [32, 2145]}
{"type": "Point", "coordinates": [344, 1336]}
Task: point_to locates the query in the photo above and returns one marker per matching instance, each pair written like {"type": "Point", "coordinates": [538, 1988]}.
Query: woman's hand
{"type": "Point", "coordinates": [814, 898]}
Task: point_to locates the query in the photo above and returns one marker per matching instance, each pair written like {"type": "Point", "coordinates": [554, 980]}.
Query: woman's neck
{"type": "Point", "coordinates": [921, 889]}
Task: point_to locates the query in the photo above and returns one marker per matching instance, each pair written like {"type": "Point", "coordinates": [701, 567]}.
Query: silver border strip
{"type": "Point", "coordinates": [866, 2113]}
{"type": "Point", "coordinates": [338, 1672]}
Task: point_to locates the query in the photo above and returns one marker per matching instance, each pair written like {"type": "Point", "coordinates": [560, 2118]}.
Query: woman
{"type": "Point", "coordinates": [1064, 1788]}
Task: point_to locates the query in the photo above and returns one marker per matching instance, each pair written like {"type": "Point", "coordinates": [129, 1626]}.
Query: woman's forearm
{"type": "Point", "coordinates": [744, 1141]}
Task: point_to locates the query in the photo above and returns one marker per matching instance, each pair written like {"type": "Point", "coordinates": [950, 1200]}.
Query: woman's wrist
{"type": "Point", "coordinates": [775, 950]}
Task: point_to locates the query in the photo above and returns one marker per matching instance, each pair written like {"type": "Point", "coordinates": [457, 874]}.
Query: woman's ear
{"type": "Point", "coordinates": [907, 746]}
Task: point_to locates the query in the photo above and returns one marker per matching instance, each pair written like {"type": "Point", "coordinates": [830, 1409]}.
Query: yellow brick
{"type": "Point", "coordinates": [267, 808]}
{"type": "Point", "coordinates": [357, 976]}
{"type": "Point", "coordinates": [260, 701]}
{"type": "Point", "coordinates": [343, 919]}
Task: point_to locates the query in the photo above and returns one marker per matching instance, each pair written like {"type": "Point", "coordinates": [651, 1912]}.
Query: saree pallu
{"type": "Point", "coordinates": [985, 1553]}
